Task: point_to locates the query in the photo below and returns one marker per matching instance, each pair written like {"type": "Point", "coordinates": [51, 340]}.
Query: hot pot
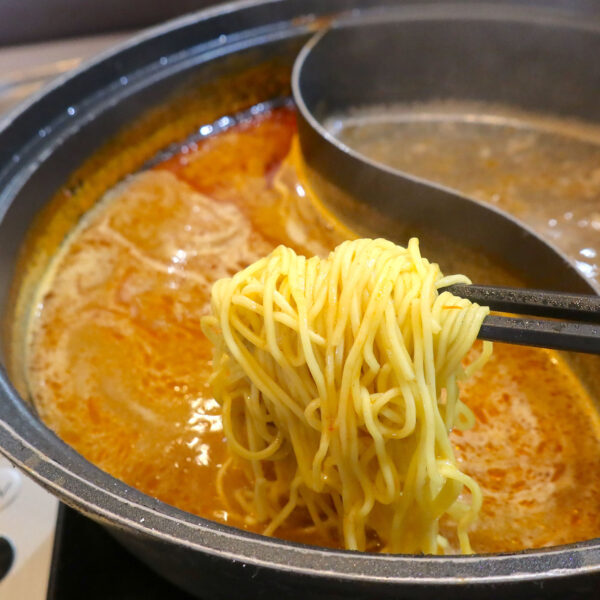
{"type": "Point", "coordinates": [46, 139]}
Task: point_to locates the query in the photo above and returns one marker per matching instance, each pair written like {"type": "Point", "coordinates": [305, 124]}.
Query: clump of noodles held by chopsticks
{"type": "Point", "coordinates": [338, 381]}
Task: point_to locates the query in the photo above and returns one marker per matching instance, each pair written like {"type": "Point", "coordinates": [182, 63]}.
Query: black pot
{"type": "Point", "coordinates": [69, 121]}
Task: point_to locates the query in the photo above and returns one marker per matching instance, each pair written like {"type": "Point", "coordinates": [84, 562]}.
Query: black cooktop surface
{"type": "Point", "coordinates": [88, 563]}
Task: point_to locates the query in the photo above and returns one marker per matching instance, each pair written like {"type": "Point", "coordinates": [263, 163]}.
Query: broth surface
{"type": "Point", "coordinates": [118, 365]}
{"type": "Point", "coordinates": [544, 170]}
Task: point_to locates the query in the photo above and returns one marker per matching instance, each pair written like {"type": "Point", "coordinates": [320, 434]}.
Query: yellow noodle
{"type": "Point", "coordinates": [338, 380]}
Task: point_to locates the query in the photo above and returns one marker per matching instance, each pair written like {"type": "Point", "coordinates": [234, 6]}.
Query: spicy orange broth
{"type": "Point", "coordinates": [118, 365]}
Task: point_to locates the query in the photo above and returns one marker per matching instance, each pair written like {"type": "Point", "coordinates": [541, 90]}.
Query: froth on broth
{"type": "Point", "coordinates": [117, 364]}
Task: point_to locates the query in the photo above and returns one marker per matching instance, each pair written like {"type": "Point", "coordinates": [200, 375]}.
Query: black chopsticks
{"type": "Point", "coordinates": [578, 327]}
